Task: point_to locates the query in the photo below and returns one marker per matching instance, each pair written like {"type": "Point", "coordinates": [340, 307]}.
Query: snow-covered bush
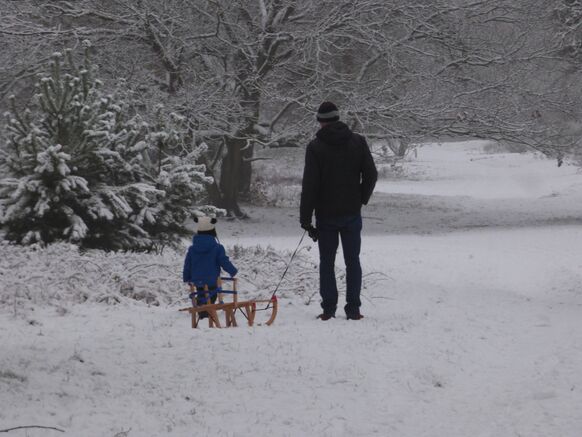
{"type": "Point", "coordinates": [63, 274]}
{"type": "Point", "coordinates": [81, 166]}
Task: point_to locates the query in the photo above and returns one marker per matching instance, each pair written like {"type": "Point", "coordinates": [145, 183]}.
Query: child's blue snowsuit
{"type": "Point", "coordinates": [204, 260]}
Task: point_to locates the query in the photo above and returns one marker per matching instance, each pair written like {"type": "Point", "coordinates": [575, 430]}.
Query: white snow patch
{"type": "Point", "coordinates": [464, 169]}
{"type": "Point", "coordinates": [472, 333]}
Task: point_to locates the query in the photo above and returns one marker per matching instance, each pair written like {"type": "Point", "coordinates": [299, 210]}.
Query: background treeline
{"type": "Point", "coordinates": [250, 73]}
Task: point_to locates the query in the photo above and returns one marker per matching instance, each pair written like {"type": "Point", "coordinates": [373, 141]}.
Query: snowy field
{"type": "Point", "coordinates": [472, 324]}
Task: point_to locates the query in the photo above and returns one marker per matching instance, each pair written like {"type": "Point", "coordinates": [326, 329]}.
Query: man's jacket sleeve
{"type": "Point", "coordinates": [369, 174]}
{"type": "Point", "coordinates": [309, 186]}
{"type": "Point", "coordinates": [225, 263]}
{"type": "Point", "coordinates": [186, 272]}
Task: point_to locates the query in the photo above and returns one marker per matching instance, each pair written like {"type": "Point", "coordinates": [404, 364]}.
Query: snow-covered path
{"type": "Point", "coordinates": [474, 332]}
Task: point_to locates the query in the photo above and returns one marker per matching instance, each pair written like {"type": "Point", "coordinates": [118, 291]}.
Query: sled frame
{"type": "Point", "coordinates": [248, 308]}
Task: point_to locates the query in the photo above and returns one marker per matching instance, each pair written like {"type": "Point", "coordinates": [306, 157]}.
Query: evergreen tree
{"type": "Point", "coordinates": [174, 162]}
{"type": "Point", "coordinates": [82, 167]}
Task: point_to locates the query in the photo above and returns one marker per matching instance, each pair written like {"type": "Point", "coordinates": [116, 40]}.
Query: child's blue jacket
{"type": "Point", "coordinates": [203, 261]}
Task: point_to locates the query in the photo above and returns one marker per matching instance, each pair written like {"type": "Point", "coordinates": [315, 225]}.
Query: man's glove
{"type": "Point", "coordinates": [311, 231]}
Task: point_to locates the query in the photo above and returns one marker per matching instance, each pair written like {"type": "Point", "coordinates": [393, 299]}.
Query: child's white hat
{"type": "Point", "coordinates": [205, 223]}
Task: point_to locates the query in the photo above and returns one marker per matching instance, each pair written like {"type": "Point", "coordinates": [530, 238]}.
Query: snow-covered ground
{"type": "Point", "coordinates": [475, 329]}
{"type": "Point", "coordinates": [464, 169]}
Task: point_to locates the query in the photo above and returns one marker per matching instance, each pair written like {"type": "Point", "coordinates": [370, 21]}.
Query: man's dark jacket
{"type": "Point", "coordinates": [339, 174]}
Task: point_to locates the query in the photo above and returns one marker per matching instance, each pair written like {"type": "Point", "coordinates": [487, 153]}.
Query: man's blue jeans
{"type": "Point", "coordinates": [330, 230]}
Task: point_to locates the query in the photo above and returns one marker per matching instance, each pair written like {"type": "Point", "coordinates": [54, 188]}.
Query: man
{"type": "Point", "coordinates": [339, 177]}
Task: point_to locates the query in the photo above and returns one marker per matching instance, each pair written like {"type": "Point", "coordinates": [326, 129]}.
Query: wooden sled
{"type": "Point", "coordinates": [248, 307]}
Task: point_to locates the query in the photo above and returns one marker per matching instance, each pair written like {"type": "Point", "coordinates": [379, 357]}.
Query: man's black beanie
{"type": "Point", "coordinates": [327, 112]}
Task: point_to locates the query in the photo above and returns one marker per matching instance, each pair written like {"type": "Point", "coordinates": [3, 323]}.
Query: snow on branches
{"type": "Point", "coordinates": [82, 166]}
{"type": "Point", "coordinates": [60, 274]}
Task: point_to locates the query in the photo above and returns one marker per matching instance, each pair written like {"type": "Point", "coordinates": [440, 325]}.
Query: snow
{"type": "Point", "coordinates": [474, 331]}
{"type": "Point", "coordinates": [464, 169]}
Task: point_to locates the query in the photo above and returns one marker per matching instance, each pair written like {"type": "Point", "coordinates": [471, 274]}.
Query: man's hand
{"type": "Point", "coordinates": [311, 231]}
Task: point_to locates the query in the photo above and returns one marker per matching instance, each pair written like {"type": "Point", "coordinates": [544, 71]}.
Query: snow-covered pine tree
{"type": "Point", "coordinates": [174, 162]}
{"type": "Point", "coordinates": [81, 166]}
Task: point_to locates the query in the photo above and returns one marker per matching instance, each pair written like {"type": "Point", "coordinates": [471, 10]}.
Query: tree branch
{"type": "Point", "coordinates": [31, 426]}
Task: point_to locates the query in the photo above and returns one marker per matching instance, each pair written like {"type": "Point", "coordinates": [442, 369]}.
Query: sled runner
{"type": "Point", "coordinates": [248, 307]}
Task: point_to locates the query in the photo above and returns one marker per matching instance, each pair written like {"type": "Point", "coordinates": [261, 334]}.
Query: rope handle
{"type": "Point", "coordinates": [274, 295]}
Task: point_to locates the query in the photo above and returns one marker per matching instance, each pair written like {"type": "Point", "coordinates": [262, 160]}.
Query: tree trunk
{"type": "Point", "coordinates": [230, 177]}
{"type": "Point", "coordinates": [246, 170]}
{"type": "Point", "coordinates": [213, 189]}
{"type": "Point", "coordinates": [236, 169]}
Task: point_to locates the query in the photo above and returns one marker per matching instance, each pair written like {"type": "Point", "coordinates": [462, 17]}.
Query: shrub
{"type": "Point", "coordinates": [81, 166]}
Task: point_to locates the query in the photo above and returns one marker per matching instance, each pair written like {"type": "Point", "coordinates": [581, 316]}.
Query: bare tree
{"type": "Point", "coordinates": [252, 72]}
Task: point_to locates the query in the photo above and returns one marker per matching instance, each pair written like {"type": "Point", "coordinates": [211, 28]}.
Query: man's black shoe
{"type": "Point", "coordinates": [325, 317]}
{"type": "Point", "coordinates": [354, 316]}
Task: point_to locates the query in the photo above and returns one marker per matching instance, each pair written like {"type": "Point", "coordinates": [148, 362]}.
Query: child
{"type": "Point", "coordinates": [204, 260]}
